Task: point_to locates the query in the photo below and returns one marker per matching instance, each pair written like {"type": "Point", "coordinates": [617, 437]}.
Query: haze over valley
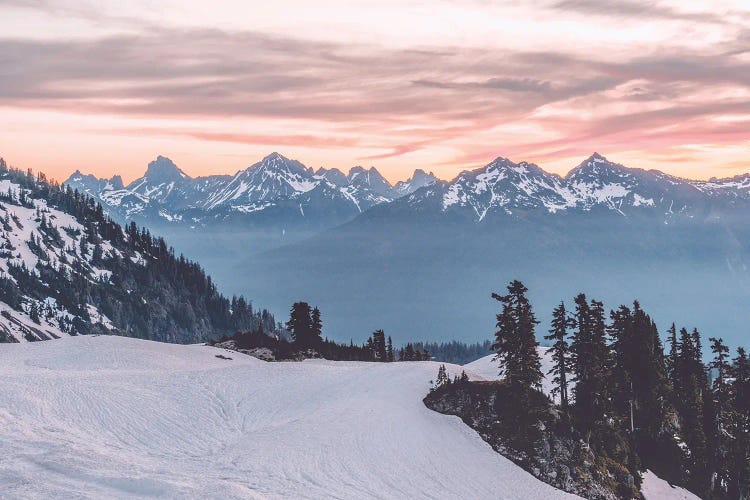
{"type": "Point", "coordinates": [427, 250]}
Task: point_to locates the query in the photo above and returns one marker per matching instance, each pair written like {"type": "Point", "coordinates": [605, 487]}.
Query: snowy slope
{"type": "Point", "coordinates": [486, 368]}
{"type": "Point", "coordinates": [654, 488]}
{"type": "Point", "coordinates": [35, 234]}
{"type": "Point", "coordinates": [115, 417]}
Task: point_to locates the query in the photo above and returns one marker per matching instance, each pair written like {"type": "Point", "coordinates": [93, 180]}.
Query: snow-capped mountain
{"type": "Point", "coordinates": [162, 179]}
{"type": "Point", "coordinates": [34, 239]}
{"type": "Point", "coordinates": [91, 183]}
{"type": "Point", "coordinates": [504, 185]}
{"type": "Point", "coordinates": [419, 179]}
{"type": "Point", "coordinates": [731, 187]}
{"type": "Point", "coordinates": [506, 188]}
{"type": "Point", "coordinates": [275, 191]}
{"type": "Point", "coordinates": [278, 190]}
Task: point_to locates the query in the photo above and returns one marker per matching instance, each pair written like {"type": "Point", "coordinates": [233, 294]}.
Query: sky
{"type": "Point", "coordinates": [444, 85]}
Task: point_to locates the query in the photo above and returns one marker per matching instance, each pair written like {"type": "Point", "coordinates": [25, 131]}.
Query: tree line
{"type": "Point", "coordinates": [302, 336]}
{"type": "Point", "coordinates": [632, 401]}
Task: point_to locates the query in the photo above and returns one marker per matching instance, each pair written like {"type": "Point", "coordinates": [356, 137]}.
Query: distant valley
{"type": "Point", "coordinates": [420, 258]}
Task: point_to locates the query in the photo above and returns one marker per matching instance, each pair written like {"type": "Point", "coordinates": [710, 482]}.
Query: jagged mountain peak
{"type": "Point", "coordinates": [418, 180]}
{"type": "Point", "coordinates": [277, 162]}
{"type": "Point", "coordinates": [92, 183]}
{"type": "Point", "coordinates": [275, 156]}
{"type": "Point", "coordinates": [160, 180]}
{"type": "Point", "coordinates": [79, 176]}
{"type": "Point", "coordinates": [278, 184]}
{"type": "Point", "coordinates": [598, 167]}
{"type": "Point", "coordinates": [333, 175]}
{"type": "Point", "coordinates": [359, 170]}
{"type": "Point", "coordinates": [370, 179]}
{"type": "Point", "coordinates": [512, 168]}
{"type": "Point", "coordinates": [116, 182]}
{"type": "Point", "coordinates": [163, 170]}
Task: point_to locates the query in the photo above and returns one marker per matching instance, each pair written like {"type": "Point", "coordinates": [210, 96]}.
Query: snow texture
{"type": "Point", "coordinates": [24, 224]}
{"type": "Point", "coordinates": [654, 488]}
{"type": "Point", "coordinates": [112, 417]}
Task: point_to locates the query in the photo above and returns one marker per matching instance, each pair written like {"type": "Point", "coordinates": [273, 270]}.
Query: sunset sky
{"type": "Point", "coordinates": [104, 86]}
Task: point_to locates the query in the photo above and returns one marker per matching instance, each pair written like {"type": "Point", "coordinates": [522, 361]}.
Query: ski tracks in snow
{"type": "Point", "coordinates": [111, 417]}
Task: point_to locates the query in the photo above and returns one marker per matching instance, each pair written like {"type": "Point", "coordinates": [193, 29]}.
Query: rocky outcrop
{"type": "Point", "coordinates": [526, 428]}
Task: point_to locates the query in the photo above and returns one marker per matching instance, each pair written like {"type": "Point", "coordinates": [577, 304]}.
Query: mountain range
{"type": "Point", "coordinates": [279, 194]}
{"type": "Point", "coordinates": [274, 192]}
{"type": "Point", "coordinates": [421, 257]}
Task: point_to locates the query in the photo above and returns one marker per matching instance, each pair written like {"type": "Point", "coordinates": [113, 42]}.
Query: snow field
{"type": "Point", "coordinates": [112, 417]}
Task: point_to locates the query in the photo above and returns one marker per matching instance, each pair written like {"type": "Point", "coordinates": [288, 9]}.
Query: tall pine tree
{"type": "Point", "coordinates": [691, 401]}
{"type": "Point", "coordinates": [300, 324]}
{"type": "Point", "coordinates": [590, 356]}
{"type": "Point", "coordinates": [560, 351]}
{"type": "Point", "coordinates": [316, 327]}
{"type": "Point", "coordinates": [740, 450]}
{"type": "Point", "coordinates": [515, 341]}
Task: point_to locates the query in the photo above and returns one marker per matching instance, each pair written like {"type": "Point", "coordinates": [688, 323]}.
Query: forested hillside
{"type": "Point", "coordinates": [622, 403]}
{"type": "Point", "coordinates": [68, 269]}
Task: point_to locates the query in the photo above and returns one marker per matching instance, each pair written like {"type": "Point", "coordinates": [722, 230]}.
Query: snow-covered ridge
{"type": "Point", "coordinates": [501, 187]}
{"type": "Point", "coordinates": [506, 188]}
{"type": "Point", "coordinates": [165, 192]}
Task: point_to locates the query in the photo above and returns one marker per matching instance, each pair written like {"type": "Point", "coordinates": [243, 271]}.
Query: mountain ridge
{"type": "Point", "coordinates": [502, 186]}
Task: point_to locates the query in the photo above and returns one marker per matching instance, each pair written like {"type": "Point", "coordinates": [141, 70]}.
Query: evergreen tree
{"type": "Point", "coordinates": [389, 349]}
{"type": "Point", "coordinates": [97, 254]}
{"type": "Point", "coordinates": [690, 408]}
{"type": "Point", "coordinates": [740, 451]}
{"type": "Point", "coordinates": [34, 312]}
{"type": "Point", "coordinates": [316, 326]}
{"type": "Point", "coordinates": [409, 353]}
{"type": "Point", "coordinates": [515, 341]}
{"type": "Point", "coordinates": [672, 358]}
{"type": "Point", "coordinates": [640, 385]}
{"type": "Point", "coordinates": [560, 351]}
{"type": "Point", "coordinates": [300, 324]}
{"type": "Point", "coordinates": [720, 406]}
{"type": "Point", "coordinates": [590, 361]}
{"type": "Point", "coordinates": [720, 363]}
{"type": "Point", "coordinates": [378, 346]}
{"type": "Point", "coordinates": [442, 377]}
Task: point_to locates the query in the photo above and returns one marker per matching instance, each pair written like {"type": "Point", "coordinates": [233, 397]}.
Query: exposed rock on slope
{"type": "Point", "coordinates": [527, 429]}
